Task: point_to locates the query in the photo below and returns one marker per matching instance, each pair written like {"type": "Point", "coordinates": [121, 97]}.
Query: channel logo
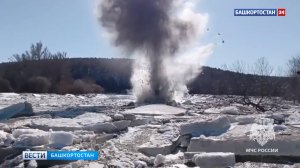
{"type": "Point", "coordinates": [60, 155]}
{"type": "Point", "coordinates": [260, 12]}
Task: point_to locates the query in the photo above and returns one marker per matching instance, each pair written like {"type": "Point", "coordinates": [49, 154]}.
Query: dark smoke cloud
{"type": "Point", "coordinates": [147, 26]}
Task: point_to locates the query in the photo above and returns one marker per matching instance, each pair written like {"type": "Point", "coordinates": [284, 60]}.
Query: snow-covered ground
{"type": "Point", "coordinates": [203, 130]}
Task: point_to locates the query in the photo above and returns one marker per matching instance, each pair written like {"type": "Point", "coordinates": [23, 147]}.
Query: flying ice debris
{"type": "Point", "coordinates": [162, 36]}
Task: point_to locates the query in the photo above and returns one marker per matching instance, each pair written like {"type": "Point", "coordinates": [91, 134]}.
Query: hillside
{"type": "Point", "coordinates": [96, 75]}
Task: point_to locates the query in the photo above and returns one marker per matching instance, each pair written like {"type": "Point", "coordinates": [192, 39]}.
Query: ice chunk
{"type": "Point", "coordinates": [60, 139]}
{"type": "Point", "coordinates": [278, 128]}
{"type": "Point", "coordinates": [207, 128]}
{"type": "Point", "coordinates": [159, 160]}
{"type": "Point", "coordinates": [216, 160]}
{"type": "Point", "coordinates": [16, 110]}
{"type": "Point", "coordinates": [4, 127]}
{"type": "Point", "coordinates": [156, 109]}
{"type": "Point", "coordinates": [5, 138]}
{"type": "Point", "coordinates": [32, 164]}
{"type": "Point", "coordinates": [30, 137]}
{"type": "Point", "coordinates": [70, 124]}
{"type": "Point", "coordinates": [243, 120]}
{"type": "Point", "coordinates": [230, 110]}
{"type": "Point", "coordinates": [174, 158]}
{"type": "Point", "coordinates": [18, 132]}
{"type": "Point", "coordinates": [58, 124]}
{"type": "Point", "coordinates": [108, 127]}
{"type": "Point", "coordinates": [101, 127]}
{"type": "Point", "coordinates": [82, 135]}
{"type": "Point", "coordinates": [30, 140]}
{"type": "Point", "coordinates": [140, 164]}
{"type": "Point", "coordinates": [89, 118]}
{"type": "Point", "coordinates": [96, 165]}
{"type": "Point", "coordinates": [121, 125]}
{"type": "Point", "coordinates": [130, 117]}
{"type": "Point", "coordinates": [118, 117]}
{"type": "Point", "coordinates": [139, 121]}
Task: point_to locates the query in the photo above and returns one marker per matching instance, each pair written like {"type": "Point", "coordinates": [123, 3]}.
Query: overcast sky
{"type": "Point", "coordinates": [71, 26]}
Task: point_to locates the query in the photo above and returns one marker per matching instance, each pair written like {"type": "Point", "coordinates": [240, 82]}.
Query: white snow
{"type": "Point", "coordinates": [215, 160]}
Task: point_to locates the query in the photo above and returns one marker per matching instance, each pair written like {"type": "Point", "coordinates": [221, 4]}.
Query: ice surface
{"type": "Point", "coordinates": [207, 128]}
{"type": "Point", "coordinates": [57, 124]}
{"type": "Point", "coordinates": [30, 137]}
{"type": "Point", "coordinates": [154, 129]}
{"type": "Point", "coordinates": [108, 127]}
{"type": "Point", "coordinates": [155, 143]}
{"type": "Point", "coordinates": [243, 120]}
{"type": "Point", "coordinates": [31, 140]}
{"type": "Point", "coordinates": [18, 132]}
{"type": "Point", "coordinates": [60, 139]}
{"type": "Point", "coordinates": [70, 124]}
{"type": "Point", "coordinates": [215, 160]}
{"type": "Point", "coordinates": [156, 109]}
{"type": "Point", "coordinates": [82, 135]}
{"type": "Point", "coordinates": [232, 110]}
{"type": "Point", "coordinates": [20, 109]}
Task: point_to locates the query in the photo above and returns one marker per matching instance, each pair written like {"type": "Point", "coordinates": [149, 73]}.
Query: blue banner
{"type": "Point", "coordinates": [72, 155]}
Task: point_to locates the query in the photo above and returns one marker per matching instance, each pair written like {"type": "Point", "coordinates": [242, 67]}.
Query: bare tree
{"type": "Point", "coordinates": [239, 67]}
{"type": "Point", "coordinates": [294, 66]}
{"type": "Point", "coordinates": [262, 67]}
{"type": "Point", "coordinates": [263, 86]}
{"type": "Point", "coordinates": [37, 52]}
{"type": "Point", "coordinates": [293, 72]}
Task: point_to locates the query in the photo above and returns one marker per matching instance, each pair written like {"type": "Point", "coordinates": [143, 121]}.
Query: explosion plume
{"type": "Point", "coordinates": [154, 32]}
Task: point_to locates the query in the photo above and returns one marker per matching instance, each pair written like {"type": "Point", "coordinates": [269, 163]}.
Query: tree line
{"type": "Point", "coordinates": [39, 71]}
